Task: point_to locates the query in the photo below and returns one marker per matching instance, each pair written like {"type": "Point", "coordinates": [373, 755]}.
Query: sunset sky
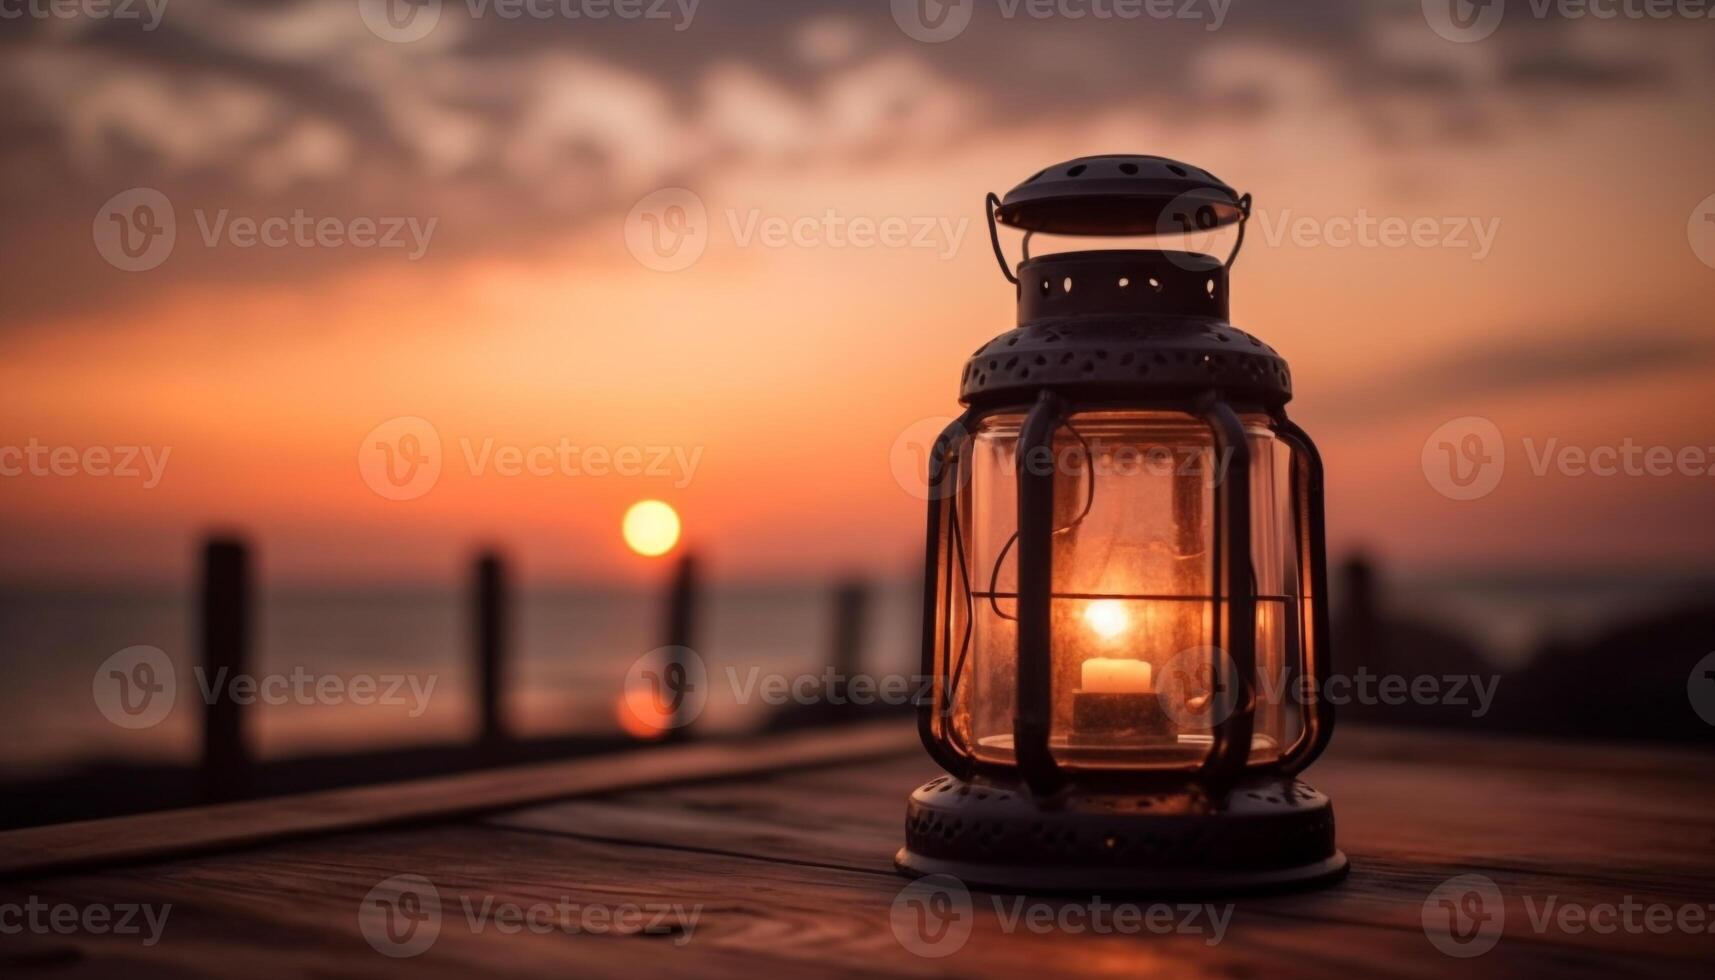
{"type": "Point", "coordinates": [781, 376]}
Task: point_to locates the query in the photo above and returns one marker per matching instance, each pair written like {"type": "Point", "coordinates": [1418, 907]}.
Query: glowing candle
{"type": "Point", "coordinates": [1104, 675]}
{"type": "Point", "coordinates": [1107, 617]}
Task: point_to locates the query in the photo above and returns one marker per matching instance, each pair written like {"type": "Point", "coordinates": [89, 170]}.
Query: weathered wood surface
{"type": "Point", "coordinates": [787, 860]}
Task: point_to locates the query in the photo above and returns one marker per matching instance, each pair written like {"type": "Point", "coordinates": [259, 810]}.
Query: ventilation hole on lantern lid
{"type": "Point", "coordinates": [1011, 363]}
{"type": "Point", "coordinates": [1041, 360]}
{"type": "Point", "coordinates": [1155, 284]}
{"type": "Point", "coordinates": [1209, 287]}
{"type": "Point", "coordinates": [1076, 171]}
{"type": "Point", "coordinates": [1124, 282]}
{"type": "Point", "coordinates": [1128, 169]}
{"type": "Point", "coordinates": [1067, 284]}
{"type": "Point", "coordinates": [1046, 286]}
{"type": "Point", "coordinates": [1178, 170]}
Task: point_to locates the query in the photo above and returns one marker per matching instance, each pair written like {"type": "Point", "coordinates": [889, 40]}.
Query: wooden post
{"type": "Point", "coordinates": [851, 604]}
{"type": "Point", "coordinates": [492, 635]}
{"type": "Point", "coordinates": [225, 640]}
{"type": "Point", "coordinates": [681, 635]}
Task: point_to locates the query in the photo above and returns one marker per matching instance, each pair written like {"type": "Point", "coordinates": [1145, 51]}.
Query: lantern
{"type": "Point", "coordinates": [1125, 615]}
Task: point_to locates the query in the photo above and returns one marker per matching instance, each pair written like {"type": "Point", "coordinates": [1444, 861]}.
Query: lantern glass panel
{"type": "Point", "coordinates": [1133, 613]}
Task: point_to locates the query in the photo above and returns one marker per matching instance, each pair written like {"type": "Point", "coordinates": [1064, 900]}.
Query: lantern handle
{"type": "Point", "coordinates": [1239, 242]}
{"type": "Point", "coordinates": [991, 207]}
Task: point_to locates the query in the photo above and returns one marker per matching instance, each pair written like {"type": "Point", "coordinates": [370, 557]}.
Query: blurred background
{"type": "Point", "coordinates": [346, 279]}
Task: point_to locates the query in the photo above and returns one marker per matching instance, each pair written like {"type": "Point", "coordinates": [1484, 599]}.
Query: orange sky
{"type": "Point", "coordinates": [789, 372]}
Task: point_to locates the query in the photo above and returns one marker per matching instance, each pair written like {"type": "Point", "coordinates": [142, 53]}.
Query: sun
{"type": "Point", "coordinates": [651, 528]}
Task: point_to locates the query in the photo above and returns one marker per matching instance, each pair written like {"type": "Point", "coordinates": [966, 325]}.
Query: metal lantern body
{"type": "Point", "coordinates": [1125, 547]}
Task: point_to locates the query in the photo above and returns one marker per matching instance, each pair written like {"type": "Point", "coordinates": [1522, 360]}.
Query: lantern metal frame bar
{"type": "Point", "coordinates": [1033, 707]}
{"type": "Point", "coordinates": [1308, 498]}
{"type": "Point", "coordinates": [1235, 588]}
{"type": "Point", "coordinates": [935, 706]}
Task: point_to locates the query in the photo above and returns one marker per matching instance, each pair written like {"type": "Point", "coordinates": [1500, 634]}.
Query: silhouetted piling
{"type": "Point", "coordinates": [492, 621]}
{"type": "Point", "coordinates": [682, 602]}
{"type": "Point", "coordinates": [845, 652]}
{"type": "Point", "coordinates": [225, 646]}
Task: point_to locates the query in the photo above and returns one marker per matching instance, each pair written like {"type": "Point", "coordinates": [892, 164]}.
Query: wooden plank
{"type": "Point", "coordinates": [155, 836]}
{"type": "Point", "coordinates": [293, 909]}
{"type": "Point", "coordinates": [1651, 822]}
{"type": "Point", "coordinates": [790, 870]}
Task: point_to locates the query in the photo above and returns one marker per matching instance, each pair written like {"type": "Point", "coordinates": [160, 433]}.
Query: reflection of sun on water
{"type": "Point", "coordinates": [639, 716]}
{"type": "Point", "coordinates": [651, 528]}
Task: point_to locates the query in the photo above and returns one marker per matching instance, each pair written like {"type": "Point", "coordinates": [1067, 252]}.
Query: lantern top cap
{"type": "Point", "coordinates": [1121, 194]}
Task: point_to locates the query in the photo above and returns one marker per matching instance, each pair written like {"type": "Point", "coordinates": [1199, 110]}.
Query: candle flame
{"type": "Point", "coordinates": [1107, 617]}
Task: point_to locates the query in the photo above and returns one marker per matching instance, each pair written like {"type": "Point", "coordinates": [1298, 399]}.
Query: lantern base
{"type": "Point", "coordinates": [1270, 834]}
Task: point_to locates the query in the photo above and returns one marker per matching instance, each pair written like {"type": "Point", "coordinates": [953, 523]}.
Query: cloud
{"type": "Point", "coordinates": [1525, 360]}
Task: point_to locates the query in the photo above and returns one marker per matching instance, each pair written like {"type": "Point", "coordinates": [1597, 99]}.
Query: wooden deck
{"type": "Point", "coordinates": [782, 851]}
